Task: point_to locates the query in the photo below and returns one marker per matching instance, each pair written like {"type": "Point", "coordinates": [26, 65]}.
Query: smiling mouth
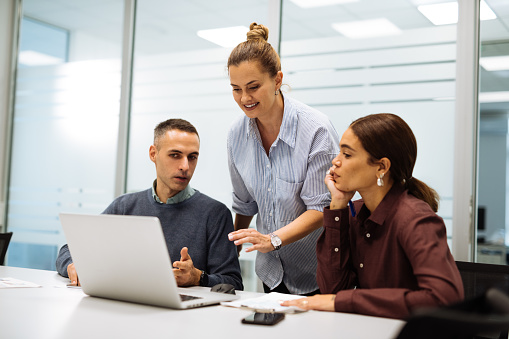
{"type": "Point", "coordinates": [251, 106]}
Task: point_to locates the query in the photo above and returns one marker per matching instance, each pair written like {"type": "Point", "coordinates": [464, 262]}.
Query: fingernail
{"type": "Point", "coordinates": [230, 236]}
{"type": "Point", "coordinates": [236, 242]}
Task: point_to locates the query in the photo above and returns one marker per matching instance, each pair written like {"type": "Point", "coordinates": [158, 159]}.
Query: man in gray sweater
{"type": "Point", "coordinates": [195, 226]}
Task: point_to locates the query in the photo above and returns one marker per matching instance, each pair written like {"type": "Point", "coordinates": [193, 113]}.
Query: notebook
{"type": "Point", "coordinates": [125, 257]}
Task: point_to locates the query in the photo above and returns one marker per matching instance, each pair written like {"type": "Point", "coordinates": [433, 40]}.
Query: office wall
{"type": "Point", "coordinates": [411, 75]}
{"type": "Point", "coordinates": [6, 33]}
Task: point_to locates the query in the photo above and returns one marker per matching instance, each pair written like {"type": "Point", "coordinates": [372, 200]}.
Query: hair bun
{"type": "Point", "coordinates": [258, 32]}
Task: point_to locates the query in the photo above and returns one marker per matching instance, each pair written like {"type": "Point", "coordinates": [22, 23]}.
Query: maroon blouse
{"type": "Point", "coordinates": [388, 263]}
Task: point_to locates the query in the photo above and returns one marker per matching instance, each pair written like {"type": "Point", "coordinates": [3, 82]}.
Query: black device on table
{"type": "Point", "coordinates": [223, 288]}
{"type": "Point", "coordinates": [263, 318]}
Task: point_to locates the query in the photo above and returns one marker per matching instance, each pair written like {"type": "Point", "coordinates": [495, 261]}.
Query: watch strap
{"type": "Point", "coordinates": [275, 241]}
{"type": "Point", "coordinates": [204, 279]}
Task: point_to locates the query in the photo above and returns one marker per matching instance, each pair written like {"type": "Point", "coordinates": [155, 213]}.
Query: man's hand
{"type": "Point", "coordinates": [73, 276]}
{"type": "Point", "coordinates": [185, 272]}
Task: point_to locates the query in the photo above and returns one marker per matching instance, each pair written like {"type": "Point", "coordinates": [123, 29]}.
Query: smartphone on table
{"type": "Point", "coordinates": [263, 318]}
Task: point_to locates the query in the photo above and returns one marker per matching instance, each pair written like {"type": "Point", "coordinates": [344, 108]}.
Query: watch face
{"type": "Point", "coordinates": [276, 242]}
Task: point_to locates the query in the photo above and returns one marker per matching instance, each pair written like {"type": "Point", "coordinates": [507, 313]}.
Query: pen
{"type": "Point", "coordinates": [352, 208]}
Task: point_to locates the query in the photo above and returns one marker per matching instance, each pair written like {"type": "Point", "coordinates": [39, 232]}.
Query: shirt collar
{"type": "Point", "coordinates": [386, 206]}
{"type": "Point", "coordinates": [183, 195]}
{"type": "Point", "coordinates": [288, 130]}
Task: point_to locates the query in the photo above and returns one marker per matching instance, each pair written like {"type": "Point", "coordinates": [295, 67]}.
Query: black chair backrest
{"type": "Point", "coordinates": [485, 316]}
{"type": "Point", "coordinates": [5, 238]}
{"type": "Point", "coordinates": [478, 277]}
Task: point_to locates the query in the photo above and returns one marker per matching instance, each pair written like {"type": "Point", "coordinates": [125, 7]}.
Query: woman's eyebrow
{"type": "Point", "coordinates": [249, 83]}
{"type": "Point", "coordinates": [346, 146]}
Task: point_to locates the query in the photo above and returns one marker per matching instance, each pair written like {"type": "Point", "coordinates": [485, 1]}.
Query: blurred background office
{"type": "Point", "coordinates": [84, 82]}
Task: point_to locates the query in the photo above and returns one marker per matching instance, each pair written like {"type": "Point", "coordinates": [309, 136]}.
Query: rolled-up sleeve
{"type": "Point", "coordinates": [242, 202]}
{"type": "Point", "coordinates": [324, 148]}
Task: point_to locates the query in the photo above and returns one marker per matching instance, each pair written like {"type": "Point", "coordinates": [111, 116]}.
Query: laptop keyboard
{"type": "Point", "coordinates": [185, 297]}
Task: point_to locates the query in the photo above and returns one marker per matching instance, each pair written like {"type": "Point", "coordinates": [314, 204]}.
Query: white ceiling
{"type": "Point", "coordinates": [175, 22]}
{"type": "Point", "coordinates": [171, 25]}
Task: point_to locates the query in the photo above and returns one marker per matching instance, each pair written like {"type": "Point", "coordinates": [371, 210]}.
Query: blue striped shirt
{"type": "Point", "coordinates": [283, 185]}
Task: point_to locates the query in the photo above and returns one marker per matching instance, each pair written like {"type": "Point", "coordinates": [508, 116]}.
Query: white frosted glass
{"type": "Point", "coordinates": [65, 130]}
{"type": "Point", "coordinates": [411, 74]}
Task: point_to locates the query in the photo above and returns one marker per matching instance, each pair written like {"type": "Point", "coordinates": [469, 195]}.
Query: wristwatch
{"type": "Point", "coordinates": [204, 278]}
{"type": "Point", "coordinates": [275, 241]}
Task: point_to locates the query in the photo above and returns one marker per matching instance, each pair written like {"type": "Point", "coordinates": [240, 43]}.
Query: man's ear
{"type": "Point", "coordinates": [152, 151]}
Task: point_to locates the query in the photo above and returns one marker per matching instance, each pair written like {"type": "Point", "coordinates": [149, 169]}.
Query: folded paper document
{"type": "Point", "coordinates": [269, 303]}
{"type": "Point", "coordinates": [13, 283]}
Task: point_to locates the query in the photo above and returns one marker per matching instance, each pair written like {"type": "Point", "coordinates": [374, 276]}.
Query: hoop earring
{"type": "Point", "coordinates": [380, 180]}
{"type": "Point", "coordinates": [276, 92]}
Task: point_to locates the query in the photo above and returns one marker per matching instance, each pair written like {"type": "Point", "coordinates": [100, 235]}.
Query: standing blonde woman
{"type": "Point", "coordinates": [278, 153]}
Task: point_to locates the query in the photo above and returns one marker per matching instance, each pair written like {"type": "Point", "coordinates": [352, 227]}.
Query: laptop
{"type": "Point", "coordinates": [125, 257]}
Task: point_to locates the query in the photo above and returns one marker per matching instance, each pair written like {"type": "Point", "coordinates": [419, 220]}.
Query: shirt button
{"type": "Point", "coordinates": [336, 249]}
{"type": "Point", "coordinates": [368, 235]}
{"type": "Point", "coordinates": [270, 214]}
{"type": "Point", "coordinates": [336, 218]}
{"type": "Point", "coordinates": [268, 166]}
{"type": "Point", "coordinates": [269, 189]}
{"type": "Point", "coordinates": [361, 265]}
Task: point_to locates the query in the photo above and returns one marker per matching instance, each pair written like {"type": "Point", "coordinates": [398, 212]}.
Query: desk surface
{"type": "Point", "coordinates": [55, 311]}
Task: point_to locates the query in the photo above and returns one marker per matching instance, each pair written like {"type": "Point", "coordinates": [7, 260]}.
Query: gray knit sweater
{"type": "Point", "coordinates": [199, 223]}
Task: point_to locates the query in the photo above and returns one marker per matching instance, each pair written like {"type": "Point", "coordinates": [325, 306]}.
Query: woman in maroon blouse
{"type": "Point", "coordinates": [387, 254]}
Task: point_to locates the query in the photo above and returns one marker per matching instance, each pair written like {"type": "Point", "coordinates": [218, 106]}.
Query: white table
{"type": "Point", "coordinates": [56, 311]}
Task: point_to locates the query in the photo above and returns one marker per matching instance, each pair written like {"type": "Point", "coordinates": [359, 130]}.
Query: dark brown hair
{"type": "Point", "coordinates": [171, 124]}
{"type": "Point", "coordinates": [387, 135]}
{"type": "Point", "coordinates": [256, 48]}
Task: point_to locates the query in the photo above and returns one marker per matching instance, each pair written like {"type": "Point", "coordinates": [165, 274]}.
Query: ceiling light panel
{"type": "Point", "coordinates": [496, 63]}
{"type": "Point", "coordinates": [447, 13]}
{"type": "Point", "coordinates": [366, 28]}
{"type": "Point", "coordinates": [225, 37]}
{"type": "Point", "coordinates": [320, 3]}
{"type": "Point", "coordinates": [486, 97]}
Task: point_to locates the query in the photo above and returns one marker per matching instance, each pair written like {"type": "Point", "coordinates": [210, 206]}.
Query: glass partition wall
{"type": "Point", "coordinates": [65, 122]}
{"type": "Point", "coordinates": [365, 57]}
{"type": "Point", "coordinates": [179, 74]}
{"type": "Point", "coordinates": [66, 116]}
{"type": "Point", "coordinates": [493, 191]}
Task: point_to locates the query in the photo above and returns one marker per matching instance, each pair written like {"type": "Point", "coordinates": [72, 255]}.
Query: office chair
{"type": "Point", "coordinates": [484, 316]}
{"type": "Point", "coordinates": [478, 278]}
{"type": "Point", "coordinates": [5, 238]}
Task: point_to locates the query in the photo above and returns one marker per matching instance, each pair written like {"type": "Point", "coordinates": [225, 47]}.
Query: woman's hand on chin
{"type": "Point", "coordinates": [339, 199]}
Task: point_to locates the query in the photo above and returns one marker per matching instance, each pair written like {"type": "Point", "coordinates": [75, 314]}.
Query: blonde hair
{"type": "Point", "coordinates": [256, 48]}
